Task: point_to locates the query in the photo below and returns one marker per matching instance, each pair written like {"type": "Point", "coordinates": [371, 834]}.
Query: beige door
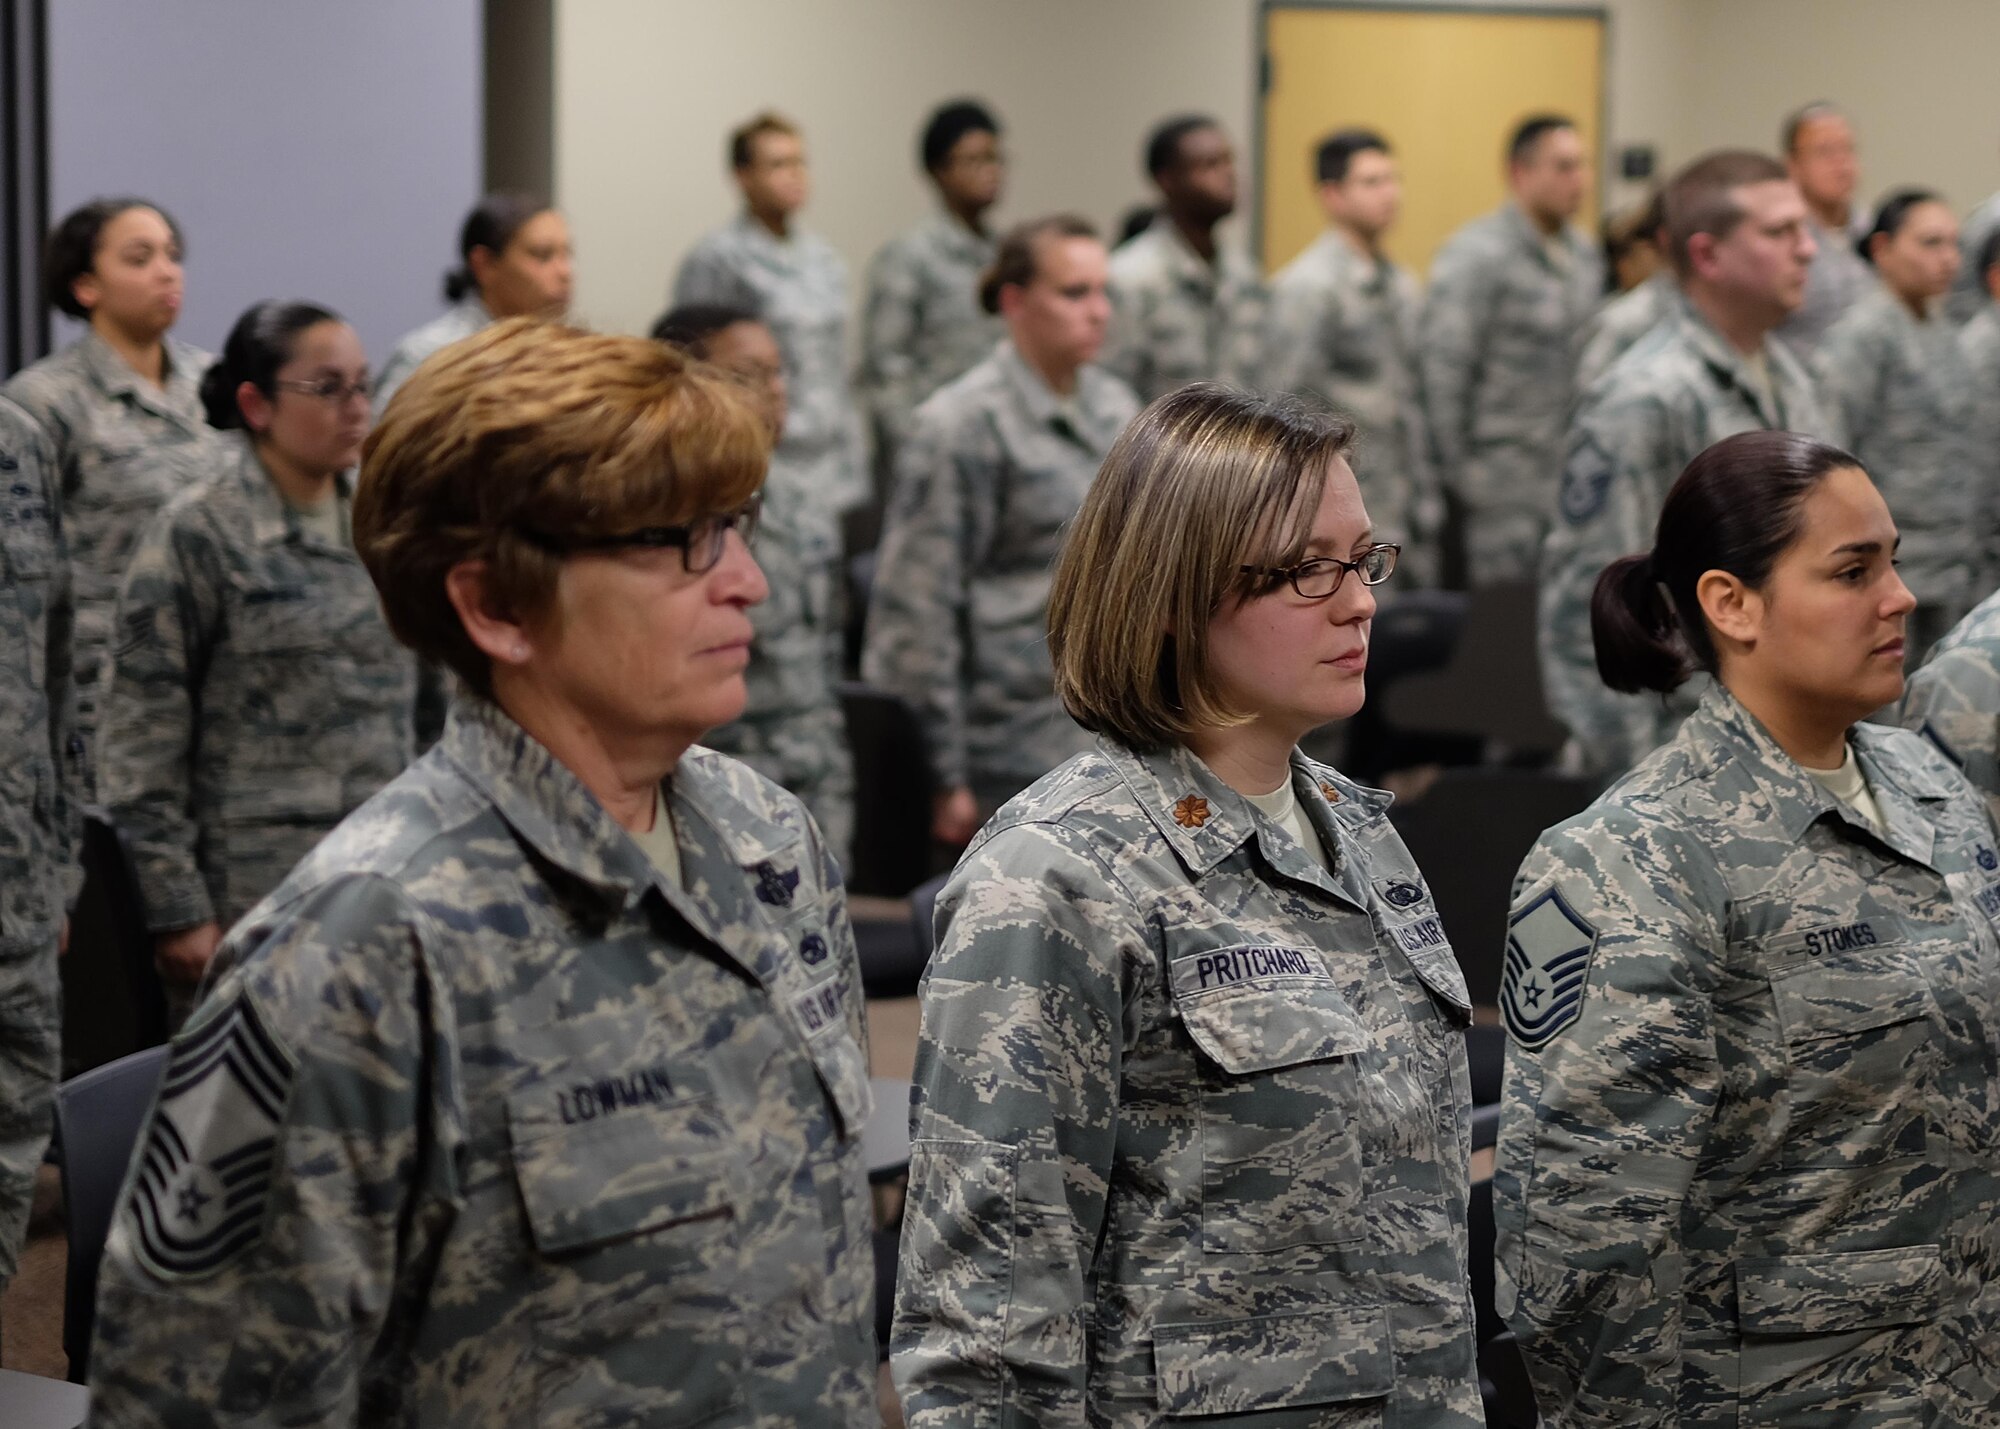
{"type": "Point", "coordinates": [1445, 88]}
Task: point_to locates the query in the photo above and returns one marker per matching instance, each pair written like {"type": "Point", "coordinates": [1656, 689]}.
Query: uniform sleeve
{"type": "Point", "coordinates": [1954, 702]}
{"type": "Point", "coordinates": [1298, 326]}
{"type": "Point", "coordinates": [891, 314]}
{"type": "Point", "coordinates": [1451, 341]}
{"type": "Point", "coordinates": [1850, 370]}
{"type": "Point", "coordinates": [1613, 472]}
{"type": "Point", "coordinates": [65, 742]}
{"type": "Point", "coordinates": [937, 532]}
{"type": "Point", "coordinates": [284, 1208]}
{"type": "Point", "coordinates": [1018, 1067]}
{"type": "Point", "coordinates": [169, 608]}
{"type": "Point", "coordinates": [1125, 355]}
{"type": "Point", "coordinates": [1606, 1116]}
{"type": "Point", "coordinates": [707, 277]}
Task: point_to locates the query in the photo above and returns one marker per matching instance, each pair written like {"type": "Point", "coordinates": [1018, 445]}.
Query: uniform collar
{"type": "Point", "coordinates": [1728, 364]}
{"type": "Point", "coordinates": [176, 397]}
{"type": "Point", "coordinates": [1205, 821]}
{"type": "Point", "coordinates": [1524, 230]}
{"type": "Point", "coordinates": [956, 239]}
{"type": "Point", "coordinates": [787, 253]}
{"type": "Point", "coordinates": [273, 521]}
{"type": "Point", "coordinates": [1046, 409]}
{"type": "Point", "coordinates": [1723, 731]}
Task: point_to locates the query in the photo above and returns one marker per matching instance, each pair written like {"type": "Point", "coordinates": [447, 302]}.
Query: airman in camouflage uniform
{"type": "Point", "coordinates": [1342, 329]}
{"type": "Point", "coordinates": [1969, 294]}
{"type": "Point", "coordinates": [257, 697]}
{"type": "Point", "coordinates": [1620, 322]}
{"type": "Point", "coordinates": [1496, 355]}
{"type": "Point", "coordinates": [122, 448]}
{"type": "Point", "coordinates": [1191, 1125]}
{"type": "Point", "coordinates": [460, 321]}
{"type": "Point", "coordinates": [487, 1120]}
{"type": "Point", "coordinates": [922, 325]}
{"type": "Point", "coordinates": [1954, 700]}
{"type": "Point", "coordinates": [39, 807]}
{"type": "Point", "coordinates": [791, 730]}
{"type": "Point", "coordinates": [1745, 1170]}
{"type": "Point", "coordinates": [1181, 319]}
{"type": "Point", "coordinates": [1680, 390]}
{"type": "Point", "coordinates": [1912, 411]}
{"type": "Point", "coordinates": [798, 286]}
{"type": "Point", "coordinates": [995, 466]}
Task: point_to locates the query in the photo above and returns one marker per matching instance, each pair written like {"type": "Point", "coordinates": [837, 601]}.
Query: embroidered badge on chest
{"type": "Point", "coordinates": [1548, 959]}
{"type": "Point", "coordinates": [225, 1091]}
{"type": "Point", "coordinates": [776, 888]}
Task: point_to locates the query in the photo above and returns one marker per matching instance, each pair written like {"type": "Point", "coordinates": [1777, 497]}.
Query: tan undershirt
{"type": "Point", "coordinates": [1849, 785]}
{"type": "Point", "coordinates": [659, 843]}
{"type": "Point", "coordinates": [1281, 807]}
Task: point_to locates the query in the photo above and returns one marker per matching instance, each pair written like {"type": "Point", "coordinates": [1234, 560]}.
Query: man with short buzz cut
{"type": "Point", "coordinates": [1821, 157]}
{"type": "Point", "coordinates": [1497, 346]}
{"type": "Point", "coordinates": [1342, 330]}
{"type": "Point", "coordinates": [1187, 307]}
{"type": "Point", "coordinates": [1737, 236]}
{"type": "Point", "coordinates": [921, 323]}
{"type": "Point", "coordinates": [792, 278]}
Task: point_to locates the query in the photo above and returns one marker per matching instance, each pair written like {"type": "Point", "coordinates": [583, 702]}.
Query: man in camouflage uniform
{"type": "Point", "coordinates": [1192, 1118]}
{"type": "Point", "coordinates": [1709, 370]}
{"type": "Point", "coordinates": [764, 262]}
{"type": "Point", "coordinates": [38, 811]}
{"type": "Point", "coordinates": [1979, 344]}
{"type": "Point", "coordinates": [257, 697]}
{"type": "Point", "coordinates": [1614, 328]}
{"type": "Point", "coordinates": [1745, 1171]}
{"type": "Point", "coordinates": [1954, 700]}
{"type": "Point", "coordinates": [1970, 293]}
{"type": "Point", "coordinates": [1819, 151]}
{"type": "Point", "coordinates": [921, 323]}
{"type": "Point", "coordinates": [1497, 350]}
{"type": "Point", "coordinates": [791, 730]}
{"type": "Point", "coordinates": [1341, 330]}
{"type": "Point", "coordinates": [996, 464]}
{"type": "Point", "coordinates": [1189, 307]}
{"type": "Point", "coordinates": [486, 1118]}
{"type": "Point", "coordinates": [123, 447]}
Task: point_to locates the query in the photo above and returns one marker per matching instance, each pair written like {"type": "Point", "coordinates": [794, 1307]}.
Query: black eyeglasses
{"type": "Point", "coordinates": [1321, 576]}
{"type": "Point", "coordinates": [328, 389]}
{"type": "Point", "coordinates": [701, 541]}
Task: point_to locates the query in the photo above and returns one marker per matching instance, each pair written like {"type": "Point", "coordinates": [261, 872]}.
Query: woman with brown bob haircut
{"type": "Point", "coordinates": [536, 1091]}
{"type": "Point", "coordinates": [1192, 1115]}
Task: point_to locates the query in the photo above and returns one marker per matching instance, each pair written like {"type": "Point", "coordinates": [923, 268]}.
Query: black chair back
{"type": "Point", "coordinates": [1469, 833]}
{"type": "Point", "coordinates": [1491, 687]}
{"type": "Point", "coordinates": [893, 788]}
{"type": "Point", "coordinates": [99, 1116]}
{"type": "Point", "coordinates": [113, 1002]}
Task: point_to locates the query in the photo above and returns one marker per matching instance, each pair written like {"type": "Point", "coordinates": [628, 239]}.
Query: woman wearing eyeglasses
{"type": "Point", "coordinates": [256, 695]}
{"type": "Point", "coordinates": [535, 1094]}
{"type": "Point", "coordinates": [1192, 1113]}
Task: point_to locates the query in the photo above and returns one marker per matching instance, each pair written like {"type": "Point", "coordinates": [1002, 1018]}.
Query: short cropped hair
{"type": "Point", "coordinates": [951, 123]}
{"type": "Point", "coordinates": [1701, 198]}
{"type": "Point", "coordinates": [1205, 481]}
{"type": "Point", "coordinates": [531, 425]}
{"type": "Point", "coordinates": [1018, 258]}
{"type": "Point", "coordinates": [1796, 121]}
{"type": "Point", "coordinates": [1163, 147]}
{"type": "Point", "coordinates": [1337, 152]}
{"type": "Point", "coordinates": [72, 250]}
{"type": "Point", "coordinates": [692, 326]}
{"type": "Point", "coordinates": [1529, 132]}
{"type": "Point", "coordinates": [743, 139]}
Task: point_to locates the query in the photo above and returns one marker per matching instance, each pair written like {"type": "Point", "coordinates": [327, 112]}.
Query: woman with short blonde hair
{"type": "Point", "coordinates": [536, 1091]}
{"type": "Point", "coordinates": [1192, 1112]}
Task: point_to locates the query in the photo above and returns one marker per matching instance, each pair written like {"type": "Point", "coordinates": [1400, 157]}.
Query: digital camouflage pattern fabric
{"type": "Point", "coordinates": [1192, 1118]}
{"type": "Point", "coordinates": [455, 324]}
{"type": "Point", "coordinates": [995, 468]}
{"type": "Point", "coordinates": [123, 448]}
{"type": "Point", "coordinates": [257, 696]}
{"type": "Point", "coordinates": [40, 807]}
{"type": "Point", "coordinates": [1954, 699]}
{"type": "Point", "coordinates": [1496, 353]}
{"type": "Point", "coordinates": [1748, 1177]}
{"type": "Point", "coordinates": [1179, 319]}
{"type": "Point", "coordinates": [484, 1122]}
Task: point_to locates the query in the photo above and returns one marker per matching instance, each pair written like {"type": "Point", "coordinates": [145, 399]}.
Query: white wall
{"type": "Point", "coordinates": [309, 150]}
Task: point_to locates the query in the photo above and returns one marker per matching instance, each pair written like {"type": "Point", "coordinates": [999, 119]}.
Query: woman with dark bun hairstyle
{"type": "Point", "coordinates": [256, 695]}
{"type": "Point", "coordinates": [514, 260]}
{"type": "Point", "coordinates": [121, 405]}
{"type": "Point", "coordinates": [1745, 1171]}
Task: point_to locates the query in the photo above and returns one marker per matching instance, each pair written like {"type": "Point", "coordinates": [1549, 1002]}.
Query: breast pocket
{"type": "Point", "coordinates": [1280, 1149]}
{"type": "Point", "coordinates": [632, 1217]}
{"type": "Point", "coordinates": [28, 545]}
{"type": "Point", "coordinates": [1860, 1053]}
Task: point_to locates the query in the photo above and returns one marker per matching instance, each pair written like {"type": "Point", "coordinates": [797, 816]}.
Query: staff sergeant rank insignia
{"type": "Point", "coordinates": [224, 1092]}
{"type": "Point", "coordinates": [1548, 958]}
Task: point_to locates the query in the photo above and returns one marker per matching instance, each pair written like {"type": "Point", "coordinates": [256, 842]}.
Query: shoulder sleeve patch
{"type": "Point", "coordinates": [204, 1176]}
{"type": "Point", "coordinates": [1586, 479]}
{"type": "Point", "coordinates": [1549, 945]}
